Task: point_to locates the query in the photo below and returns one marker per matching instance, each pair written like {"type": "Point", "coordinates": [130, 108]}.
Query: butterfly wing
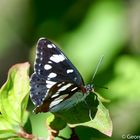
{"type": "Point", "coordinates": [55, 78]}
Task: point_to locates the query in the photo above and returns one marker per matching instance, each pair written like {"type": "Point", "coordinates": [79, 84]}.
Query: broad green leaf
{"type": "Point", "coordinates": [6, 129]}
{"type": "Point", "coordinates": [56, 123]}
{"type": "Point", "coordinates": [4, 135]}
{"type": "Point", "coordinates": [101, 122]}
{"type": "Point", "coordinates": [14, 94]}
{"type": "Point", "coordinates": [4, 124]}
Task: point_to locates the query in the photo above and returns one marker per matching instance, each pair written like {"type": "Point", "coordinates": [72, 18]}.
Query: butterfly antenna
{"type": "Point", "coordinates": [97, 67]}
{"type": "Point", "coordinates": [101, 86]}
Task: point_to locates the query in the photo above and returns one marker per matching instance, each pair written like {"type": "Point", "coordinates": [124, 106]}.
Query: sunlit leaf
{"type": "Point", "coordinates": [4, 124]}
{"type": "Point", "coordinates": [6, 129]}
{"type": "Point", "coordinates": [101, 122]}
{"type": "Point", "coordinates": [14, 94]}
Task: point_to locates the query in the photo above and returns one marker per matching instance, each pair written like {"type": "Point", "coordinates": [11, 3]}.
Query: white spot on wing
{"type": "Point", "coordinates": [46, 94]}
{"type": "Point", "coordinates": [58, 100]}
{"type": "Point", "coordinates": [47, 67]}
{"type": "Point", "coordinates": [55, 102]}
{"type": "Point", "coordinates": [50, 83]}
{"type": "Point", "coordinates": [49, 46]}
{"type": "Point", "coordinates": [54, 95]}
{"type": "Point", "coordinates": [63, 96]}
{"type": "Point", "coordinates": [52, 75]}
{"type": "Point", "coordinates": [74, 89]}
{"type": "Point", "coordinates": [57, 58]}
{"type": "Point", "coordinates": [69, 70]}
{"type": "Point", "coordinates": [50, 62]}
{"type": "Point", "coordinates": [53, 45]}
{"type": "Point", "coordinates": [64, 87]}
{"type": "Point", "coordinates": [59, 84]}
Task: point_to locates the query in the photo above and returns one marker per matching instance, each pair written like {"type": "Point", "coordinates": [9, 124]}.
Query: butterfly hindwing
{"type": "Point", "coordinates": [38, 89]}
{"type": "Point", "coordinates": [54, 78]}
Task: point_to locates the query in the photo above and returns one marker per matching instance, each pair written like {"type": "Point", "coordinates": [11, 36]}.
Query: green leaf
{"type": "Point", "coordinates": [56, 123]}
{"type": "Point", "coordinates": [4, 125]}
{"type": "Point", "coordinates": [14, 95]}
{"type": "Point", "coordinates": [101, 122]}
{"type": "Point", "coordinates": [4, 135]}
{"type": "Point", "coordinates": [6, 129]}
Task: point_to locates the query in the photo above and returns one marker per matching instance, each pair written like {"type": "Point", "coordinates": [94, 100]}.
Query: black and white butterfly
{"type": "Point", "coordinates": [55, 78]}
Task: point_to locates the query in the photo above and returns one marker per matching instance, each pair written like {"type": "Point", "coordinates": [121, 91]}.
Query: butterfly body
{"type": "Point", "coordinates": [55, 78]}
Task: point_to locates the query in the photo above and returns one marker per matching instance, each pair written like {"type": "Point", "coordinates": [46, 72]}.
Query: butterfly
{"type": "Point", "coordinates": [55, 78]}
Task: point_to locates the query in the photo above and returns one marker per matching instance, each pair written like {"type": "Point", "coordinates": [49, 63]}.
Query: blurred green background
{"type": "Point", "coordinates": [85, 30]}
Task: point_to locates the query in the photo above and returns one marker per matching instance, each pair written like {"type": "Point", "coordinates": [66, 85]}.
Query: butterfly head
{"type": "Point", "coordinates": [88, 88]}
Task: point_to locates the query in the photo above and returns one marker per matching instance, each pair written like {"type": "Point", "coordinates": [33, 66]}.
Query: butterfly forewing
{"type": "Point", "coordinates": [54, 78]}
{"type": "Point", "coordinates": [51, 62]}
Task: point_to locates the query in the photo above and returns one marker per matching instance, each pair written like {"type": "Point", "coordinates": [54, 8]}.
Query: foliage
{"type": "Point", "coordinates": [13, 101]}
{"type": "Point", "coordinates": [85, 30]}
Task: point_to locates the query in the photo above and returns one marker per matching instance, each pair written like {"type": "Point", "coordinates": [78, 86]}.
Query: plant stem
{"type": "Point", "coordinates": [25, 135]}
